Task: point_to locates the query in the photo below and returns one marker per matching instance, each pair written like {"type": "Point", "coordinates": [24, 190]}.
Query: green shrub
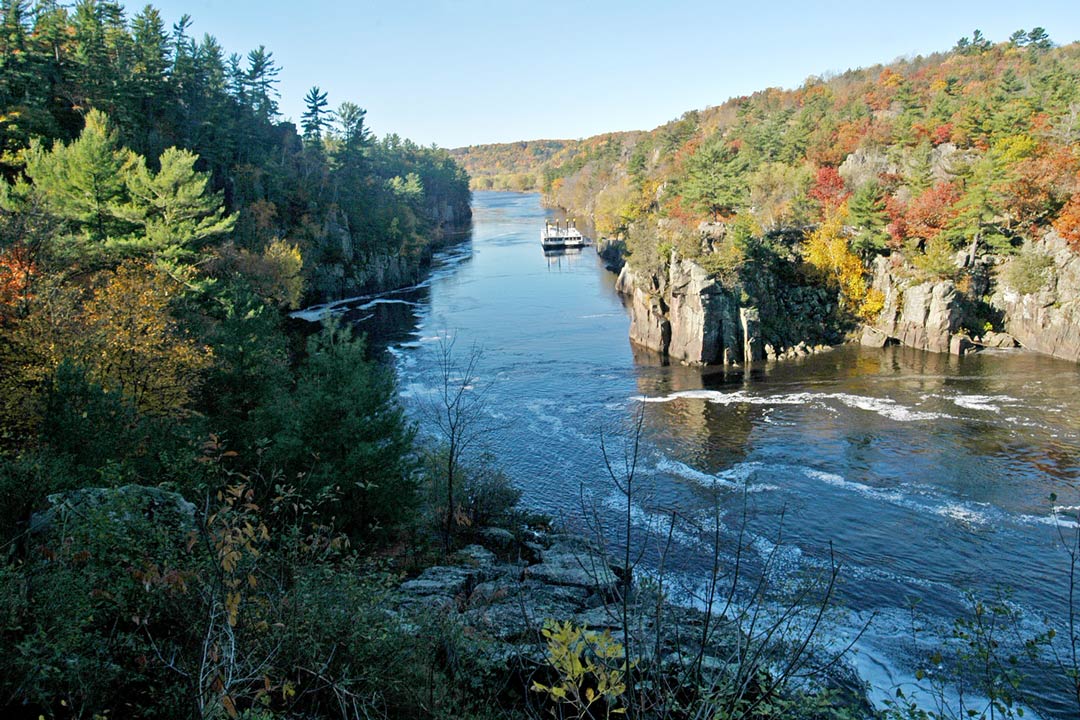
{"type": "Point", "coordinates": [1028, 272]}
{"type": "Point", "coordinates": [937, 260]}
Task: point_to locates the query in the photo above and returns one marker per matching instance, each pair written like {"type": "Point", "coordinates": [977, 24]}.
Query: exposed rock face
{"type": "Point", "coordinates": [649, 326]}
{"type": "Point", "coordinates": [705, 323]}
{"type": "Point", "coordinates": [1047, 321]}
{"type": "Point", "coordinates": [613, 252]}
{"type": "Point", "coordinates": [504, 605]}
{"type": "Point", "coordinates": [926, 315]}
{"type": "Point", "coordinates": [865, 165]}
{"type": "Point", "coordinates": [565, 564]}
{"type": "Point", "coordinates": [346, 271]}
{"type": "Point", "coordinates": [931, 315]}
{"type": "Point", "coordinates": [688, 315]}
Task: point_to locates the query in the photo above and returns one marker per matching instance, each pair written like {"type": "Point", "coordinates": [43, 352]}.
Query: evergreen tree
{"type": "Point", "coordinates": [151, 61]}
{"type": "Point", "coordinates": [172, 208]}
{"type": "Point", "coordinates": [363, 464]}
{"type": "Point", "coordinates": [82, 183]}
{"type": "Point", "coordinates": [976, 223]}
{"type": "Point", "coordinates": [1039, 39]}
{"type": "Point", "coordinates": [15, 69]}
{"type": "Point", "coordinates": [314, 118]}
{"type": "Point", "coordinates": [866, 212]}
{"type": "Point", "coordinates": [716, 179]}
{"type": "Point", "coordinates": [355, 136]}
{"type": "Point", "coordinates": [260, 81]}
{"type": "Point", "coordinates": [1018, 38]}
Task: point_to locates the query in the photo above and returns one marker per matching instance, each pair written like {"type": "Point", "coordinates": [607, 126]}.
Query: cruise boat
{"type": "Point", "coordinates": [561, 236]}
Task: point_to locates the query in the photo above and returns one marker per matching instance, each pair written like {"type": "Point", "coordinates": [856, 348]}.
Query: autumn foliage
{"type": "Point", "coordinates": [828, 252]}
{"type": "Point", "coordinates": [829, 190]}
{"type": "Point", "coordinates": [929, 213]}
{"type": "Point", "coordinates": [1067, 223]}
{"type": "Point", "coordinates": [17, 270]}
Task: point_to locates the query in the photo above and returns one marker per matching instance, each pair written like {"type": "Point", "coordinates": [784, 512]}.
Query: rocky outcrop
{"type": "Point", "coordinates": [1048, 320]}
{"type": "Point", "coordinates": [503, 603]}
{"type": "Point", "coordinates": [129, 506]}
{"type": "Point", "coordinates": [345, 270]}
{"type": "Point", "coordinates": [923, 315]}
{"type": "Point", "coordinates": [933, 315]}
{"type": "Point", "coordinates": [688, 315]}
{"type": "Point", "coordinates": [613, 252]}
{"type": "Point", "coordinates": [649, 325]}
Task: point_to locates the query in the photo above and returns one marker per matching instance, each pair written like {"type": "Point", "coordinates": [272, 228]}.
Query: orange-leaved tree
{"type": "Point", "coordinates": [1067, 222]}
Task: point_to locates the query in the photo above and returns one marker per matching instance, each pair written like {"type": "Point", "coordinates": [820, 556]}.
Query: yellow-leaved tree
{"type": "Point", "coordinates": [828, 251]}
{"type": "Point", "coordinates": [122, 333]}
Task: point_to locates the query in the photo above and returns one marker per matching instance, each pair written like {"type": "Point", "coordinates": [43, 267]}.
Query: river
{"type": "Point", "coordinates": [929, 477]}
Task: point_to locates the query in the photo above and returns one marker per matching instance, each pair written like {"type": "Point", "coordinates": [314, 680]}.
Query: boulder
{"type": "Point", "coordinates": [960, 345]}
{"type": "Point", "coordinates": [128, 506]}
{"type": "Point", "coordinates": [872, 337]}
{"type": "Point", "coordinates": [499, 540]}
{"type": "Point", "coordinates": [998, 340]}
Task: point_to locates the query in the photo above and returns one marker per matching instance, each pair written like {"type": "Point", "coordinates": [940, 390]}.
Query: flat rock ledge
{"type": "Point", "coordinates": [502, 602]}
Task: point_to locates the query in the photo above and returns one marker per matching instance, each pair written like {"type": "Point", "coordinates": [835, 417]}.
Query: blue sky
{"type": "Point", "coordinates": [477, 71]}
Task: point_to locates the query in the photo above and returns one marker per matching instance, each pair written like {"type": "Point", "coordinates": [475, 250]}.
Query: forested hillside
{"type": "Point", "coordinates": [976, 142]}
{"type": "Point", "coordinates": [329, 188]}
{"type": "Point", "coordinates": [527, 165]}
{"type": "Point", "coordinates": [972, 150]}
{"type": "Point", "coordinates": [190, 484]}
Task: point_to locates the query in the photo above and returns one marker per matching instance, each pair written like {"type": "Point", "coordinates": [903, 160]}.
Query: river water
{"type": "Point", "coordinates": [928, 477]}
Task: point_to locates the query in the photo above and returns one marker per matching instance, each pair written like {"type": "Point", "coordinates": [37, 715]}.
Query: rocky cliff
{"type": "Point", "coordinates": [1048, 319]}
{"type": "Point", "coordinates": [346, 271]}
{"type": "Point", "coordinates": [923, 315]}
{"type": "Point", "coordinates": [1031, 299]}
{"type": "Point", "coordinates": [686, 314]}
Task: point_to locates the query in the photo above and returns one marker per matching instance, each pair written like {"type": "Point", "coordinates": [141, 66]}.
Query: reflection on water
{"type": "Point", "coordinates": [930, 475]}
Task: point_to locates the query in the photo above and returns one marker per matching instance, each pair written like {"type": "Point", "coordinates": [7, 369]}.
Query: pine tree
{"type": "Point", "coordinates": [314, 118]}
{"type": "Point", "coordinates": [260, 80]}
{"type": "Point", "coordinates": [866, 212]}
{"type": "Point", "coordinates": [1018, 38]}
{"type": "Point", "coordinates": [355, 136]}
{"type": "Point", "coordinates": [15, 72]}
{"type": "Point", "coordinates": [172, 208]}
{"type": "Point", "coordinates": [1039, 39]}
{"type": "Point", "coordinates": [82, 183]}
{"type": "Point", "coordinates": [149, 88]}
{"type": "Point", "coordinates": [715, 180]}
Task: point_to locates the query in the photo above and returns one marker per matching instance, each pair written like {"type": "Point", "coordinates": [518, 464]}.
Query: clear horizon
{"type": "Point", "coordinates": [478, 72]}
